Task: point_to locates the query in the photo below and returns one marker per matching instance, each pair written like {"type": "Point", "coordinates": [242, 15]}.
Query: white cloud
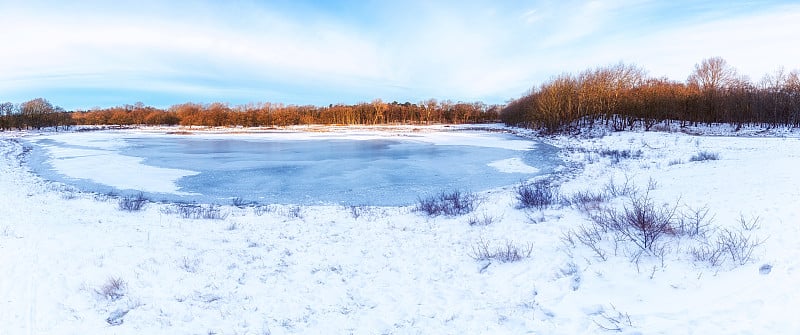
{"type": "Point", "coordinates": [118, 46]}
{"type": "Point", "coordinates": [754, 44]}
{"type": "Point", "coordinates": [406, 51]}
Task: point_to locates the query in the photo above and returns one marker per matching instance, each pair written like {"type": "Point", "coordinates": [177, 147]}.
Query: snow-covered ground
{"type": "Point", "coordinates": [73, 263]}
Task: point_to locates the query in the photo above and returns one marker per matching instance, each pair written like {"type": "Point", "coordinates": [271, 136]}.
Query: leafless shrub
{"type": "Point", "coordinates": [194, 211]}
{"type": "Point", "coordinates": [704, 156]}
{"type": "Point", "coordinates": [693, 222]}
{"type": "Point", "coordinates": [588, 201]}
{"type": "Point", "coordinates": [731, 244]}
{"type": "Point", "coordinates": [507, 253]}
{"type": "Point", "coordinates": [710, 253]}
{"type": "Point", "coordinates": [652, 184]}
{"type": "Point", "coordinates": [612, 189]}
{"type": "Point", "coordinates": [640, 221]}
{"type": "Point", "coordinates": [616, 155]}
{"type": "Point", "coordinates": [749, 225]}
{"type": "Point", "coordinates": [294, 212]}
{"type": "Point", "coordinates": [483, 220]}
{"type": "Point", "coordinates": [589, 235]}
{"type": "Point", "coordinates": [738, 246]}
{"type": "Point", "coordinates": [113, 289]}
{"type": "Point", "coordinates": [540, 194]}
{"type": "Point", "coordinates": [263, 209]}
{"type": "Point", "coordinates": [241, 203]}
{"type": "Point", "coordinates": [132, 203]}
{"type": "Point", "coordinates": [356, 211]}
{"type": "Point", "coordinates": [676, 161]}
{"type": "Point", "coordinates": [449, 204]}
{"type": "Point", "coordinates": [102, 197]}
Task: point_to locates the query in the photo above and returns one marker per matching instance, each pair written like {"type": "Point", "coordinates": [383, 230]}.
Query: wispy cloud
{"type": "Point", "coordinates": [304, 52]}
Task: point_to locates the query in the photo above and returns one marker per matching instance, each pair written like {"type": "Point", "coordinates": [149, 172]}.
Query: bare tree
{"type": "Point", "coordinates": [713, 74]}
{"type": "Point", "coordinates": [34, 112]}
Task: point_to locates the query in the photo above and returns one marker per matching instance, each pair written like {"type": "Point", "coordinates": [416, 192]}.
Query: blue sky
{"type": "Point", "coordinates": [82, 54]}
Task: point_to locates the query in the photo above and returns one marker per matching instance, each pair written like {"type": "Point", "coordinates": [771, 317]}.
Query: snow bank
{"type": "Point", "coordinates": [333, 269]}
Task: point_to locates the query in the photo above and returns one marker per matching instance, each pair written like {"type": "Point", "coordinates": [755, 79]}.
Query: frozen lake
{"type": "Point", "coordinates": [370, 167]}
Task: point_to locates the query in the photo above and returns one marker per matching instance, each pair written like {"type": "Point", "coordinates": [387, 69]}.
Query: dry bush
{"type": "Point", "coordinates": [640, 221]}
{"type": "Point", "coordinates": [113, 289]}
{"type": "Point", "coordinates": [588, 201]}
{"type": "Point", "coordinates": [449, 204]}
{"type": "Point", "coordinates": [540, 194]}
{"type": "Point", "coordinates": [704, 156]}
{"type": "Point", "coordinates": [613, 190]}
{"type": "Point", "coordinates": [737, 245]}
{"type": "Point", "coordinates": [617, 155]}
{"type": "Point", "coordinates": [508, 253]}
{"type": "Point", "coordinates": [709, 253]}
{"type": "Point", "coordinates": [356, 211]}
{"type": "Point", "coordinates": [260, 210]}
{"type": "Point", "coordinates": [590, 236]}
{"type": "Point", "coordinates": [132, 203]}
{"type": "Point", "coordinates": [241, 203]}
{"type": "Point", "coordinates": [727, 244]}
{"type": "Point", "coordinates": [749, 225]}
{"type": "Point", "coordinates": [676, 161]}
{"type": "Point", "coordinates": [693, 222]}
{"type": "Point", "coordinates": [195, 211]}
{"type": "Point", "coordinates": [483, 220]}
{"type": "Point", "coordinates": [654, 230]}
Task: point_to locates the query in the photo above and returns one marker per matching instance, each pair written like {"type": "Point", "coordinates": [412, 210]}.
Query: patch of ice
{"type": "Point", "coordinates": [108, 167]}
{"type": "Point", "coordinates": [513, 165]}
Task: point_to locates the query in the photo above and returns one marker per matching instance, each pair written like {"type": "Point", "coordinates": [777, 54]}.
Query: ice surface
{"type": "Point", "coordinates": [108, 167]}
{"type": "Point", "coordinates": [375, 168]}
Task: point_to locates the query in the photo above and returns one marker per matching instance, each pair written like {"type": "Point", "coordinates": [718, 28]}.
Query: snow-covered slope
{"type": "Point", "coordinates": [73, 263]}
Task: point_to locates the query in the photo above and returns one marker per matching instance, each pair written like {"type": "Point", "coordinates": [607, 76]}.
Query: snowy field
{"type": "Point", "coordinates": [726, 262]}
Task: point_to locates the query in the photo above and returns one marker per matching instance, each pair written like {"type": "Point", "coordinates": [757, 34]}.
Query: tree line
{"type": "Point", "coordinates": [34, 114]}
{"type": "Point", "coordinates": [39, 113]}
{"type": "Point", "coordinates": [623, 97]}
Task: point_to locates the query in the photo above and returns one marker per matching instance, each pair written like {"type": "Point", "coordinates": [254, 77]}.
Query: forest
{"type": "Point", "coordinates": [623, 97]}
{"type": "Point", "coordinates": [618, 96]}
{"type": "Point", "coordinates": [39, 113]}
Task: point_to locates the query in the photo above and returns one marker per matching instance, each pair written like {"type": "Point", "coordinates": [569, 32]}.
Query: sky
{"type": "Point", "coordinates": [86, 54]}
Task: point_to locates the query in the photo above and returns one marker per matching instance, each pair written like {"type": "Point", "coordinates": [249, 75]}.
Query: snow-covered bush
{"type": "Point", "coordinates": [508, 253]}
{"type": "Point", "coordinates": [727, 244]}
{"type": "Point", "coordinates": [617, 155]}
{"type": "Point", "coordinates": [240, 202]}
{"type": "Point", "coordinates": [626, 188]}
{"type": "Point", "coordinates": [640, 221]}
{"type": "Point", "coordinates": [704, 156]}
{"type": "Point", "coordinates": [132, 203]}
{"type": "Point", "coordinates": [450, 204]}
{"type": "Point", "coordinates": [588, 201]}
{"type": "Point", "coordinates": [693, 222]}
{"type": "Point", "coordinates": [194, 211]}
{"type": "Point", "coordinates": [539, 194]}
{"type": "Point", "coordinates": [113, 289]}
{"type": "Point", "coordinates": [483, 220]}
